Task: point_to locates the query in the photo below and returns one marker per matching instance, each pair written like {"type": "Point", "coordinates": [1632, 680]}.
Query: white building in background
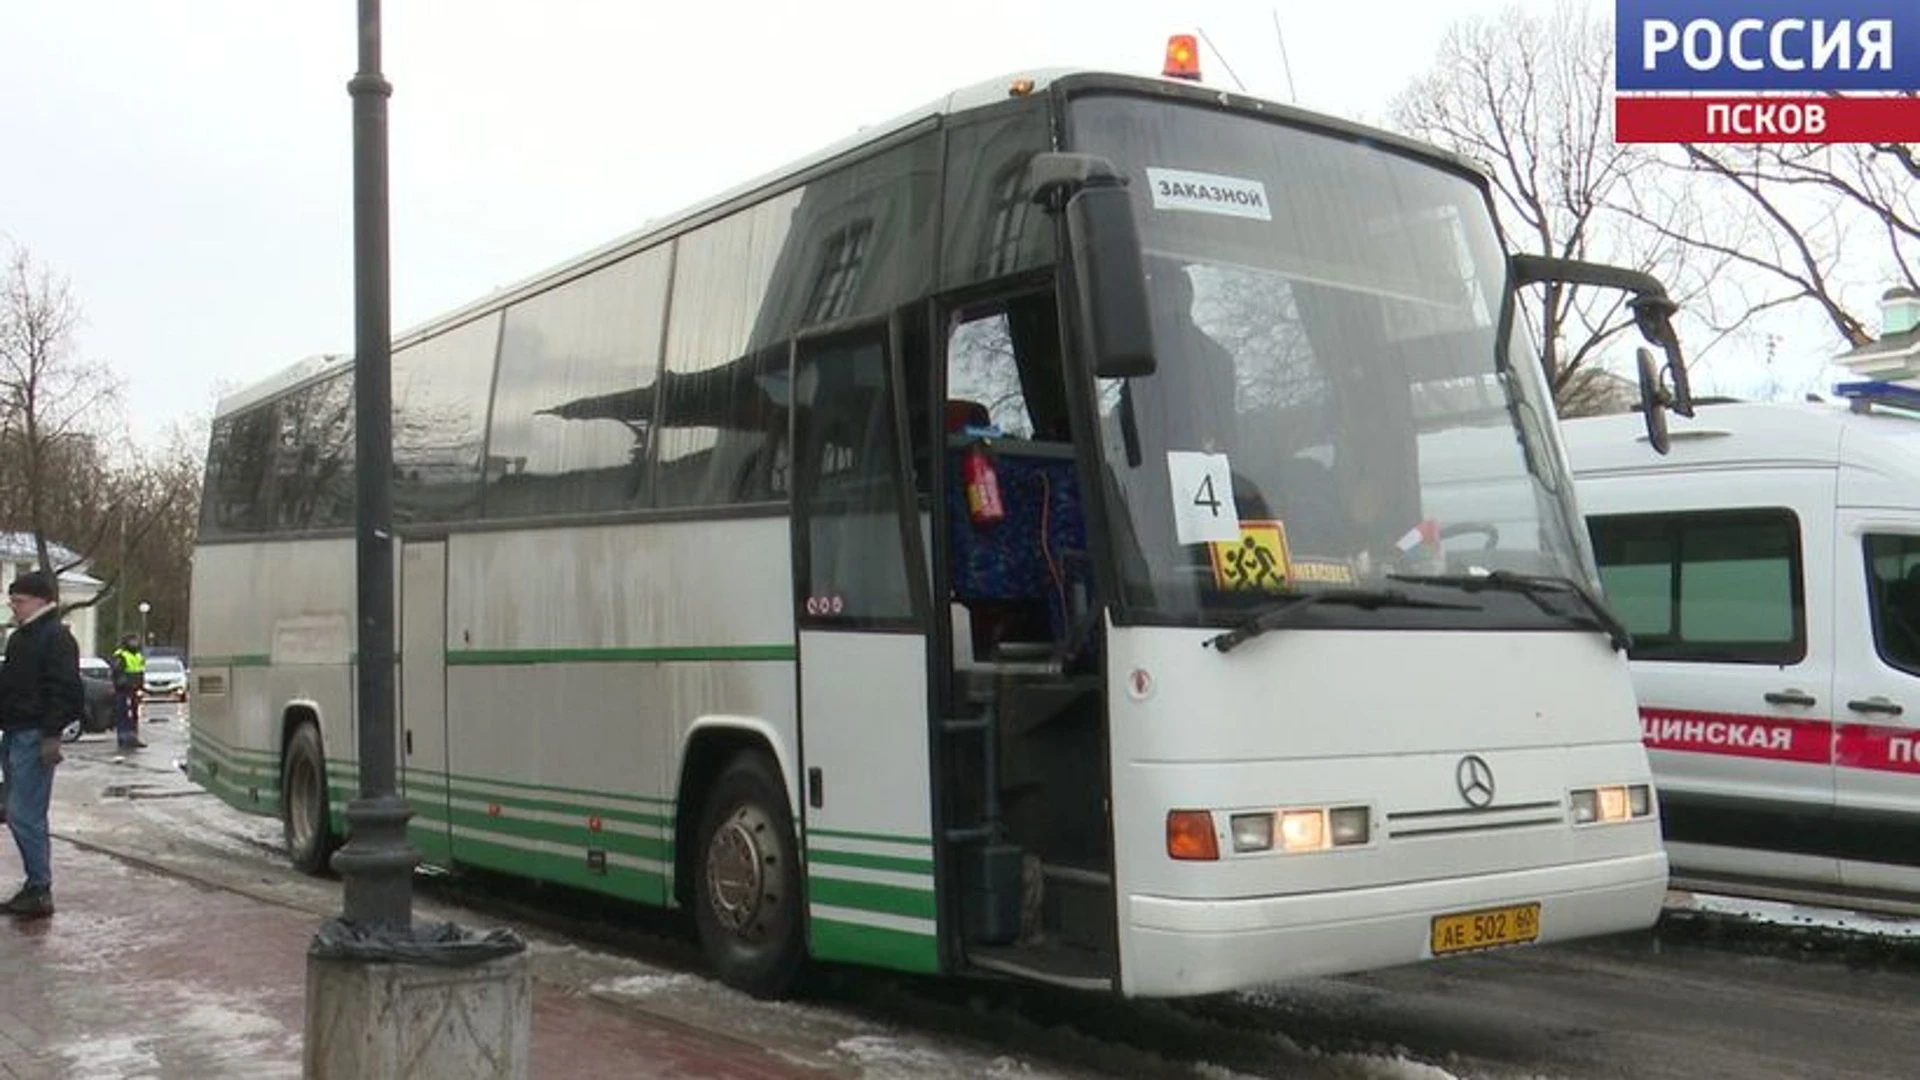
{"type": "Point", "coordinates": [18, 555]}
{"type": "Point", "coordinates": [1895, 356]}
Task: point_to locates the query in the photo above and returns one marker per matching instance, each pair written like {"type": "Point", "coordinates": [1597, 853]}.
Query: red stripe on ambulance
{"type": "Point", "coordinates": [1881, 749]}
{"type": "Point", "coordinates": [1767, 737]}
{"type": "Point", "coordinates": [1811, 742]}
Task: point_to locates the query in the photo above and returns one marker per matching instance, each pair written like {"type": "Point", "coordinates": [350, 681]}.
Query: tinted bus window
{"type": "Point", "coordinates": [239, 468]}
{"type": "Point", "coordinates": [313, 482]}
{"type": "Point", "coordinates": [440, 389]}
{"type": "Point", "coordinates": [574, 411]}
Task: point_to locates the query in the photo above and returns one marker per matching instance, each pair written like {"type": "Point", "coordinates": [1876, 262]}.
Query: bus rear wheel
{"type": "Point", "coordinates": [747, 881]}
{"type": "Point", "coordinates": [303, 802]}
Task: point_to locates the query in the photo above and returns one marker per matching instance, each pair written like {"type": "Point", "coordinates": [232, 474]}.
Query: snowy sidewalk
{"type": "Point", "coordinates": [145, 974]}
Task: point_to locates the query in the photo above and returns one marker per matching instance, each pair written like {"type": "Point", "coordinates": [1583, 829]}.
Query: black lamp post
{"type": "Point", "coordinates": [377, 862]}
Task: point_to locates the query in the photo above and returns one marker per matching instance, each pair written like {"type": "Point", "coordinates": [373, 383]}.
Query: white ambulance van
{"type": "Point", "coordinates": [1769, 571]}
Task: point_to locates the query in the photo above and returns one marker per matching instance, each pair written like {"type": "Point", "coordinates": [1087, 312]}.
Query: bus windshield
{"type": "Point", "coordinates": [1340, 394]}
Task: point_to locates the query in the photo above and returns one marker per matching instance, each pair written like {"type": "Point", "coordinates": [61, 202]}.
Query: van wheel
{"type": "Point", "coordinates": [303, 802]}
{"type": "Point", "coordinates": [747, 880]}
{"type": "Point", "coordinates": [71, 733]}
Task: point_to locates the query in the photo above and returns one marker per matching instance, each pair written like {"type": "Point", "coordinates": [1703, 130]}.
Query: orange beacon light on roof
{"type": "Point", "coordinates": [1183, 58]}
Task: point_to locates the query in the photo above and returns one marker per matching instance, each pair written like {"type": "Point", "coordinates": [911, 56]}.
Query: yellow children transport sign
{"type": "Point", "coordinates": [1261, 560]}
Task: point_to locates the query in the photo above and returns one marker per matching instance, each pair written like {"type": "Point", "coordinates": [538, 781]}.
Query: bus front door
{"type": "Point", "coordinates": [866, 800]}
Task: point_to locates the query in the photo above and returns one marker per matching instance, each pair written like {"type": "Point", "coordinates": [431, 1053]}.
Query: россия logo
{"type": "Point", "coordinates": [1753, 71]}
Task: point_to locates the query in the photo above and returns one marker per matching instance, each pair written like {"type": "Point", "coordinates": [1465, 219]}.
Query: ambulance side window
{"type": "Point", "coordinates": [1893, 571]}
{"type": "Point", "coordinates": [1722, 586]}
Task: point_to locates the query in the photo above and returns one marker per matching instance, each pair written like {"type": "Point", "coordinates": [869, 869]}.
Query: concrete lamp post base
{"type": "Point", "coordinates": [398, 1021]}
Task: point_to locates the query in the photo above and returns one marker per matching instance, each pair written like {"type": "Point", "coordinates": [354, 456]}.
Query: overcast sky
{"type": "Point", "coordinates": [188, 163]}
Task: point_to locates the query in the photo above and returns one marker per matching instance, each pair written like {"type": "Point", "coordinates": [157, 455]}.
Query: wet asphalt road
{"type": "Point", "coordinates": [1697, 999]}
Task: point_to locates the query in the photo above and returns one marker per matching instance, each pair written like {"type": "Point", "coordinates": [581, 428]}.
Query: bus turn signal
{"type": "Point", "coordinates": [1190, 836]}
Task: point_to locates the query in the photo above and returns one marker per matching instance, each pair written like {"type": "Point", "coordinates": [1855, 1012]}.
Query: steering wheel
{"type": "Point", "coordinates": [1468, 528]}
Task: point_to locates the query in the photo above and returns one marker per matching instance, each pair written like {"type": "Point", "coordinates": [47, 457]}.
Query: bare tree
{"type": "Point", "coordinates": [69, 475]}
{"type": "Point", "coordinates": [52, 404]}
{"type": "Point", "coordinates": [1527, 96]}
{"type": "Point", "coordinates": [152, 561]}
{"type": "Point", "coordinates": [1838, 222]}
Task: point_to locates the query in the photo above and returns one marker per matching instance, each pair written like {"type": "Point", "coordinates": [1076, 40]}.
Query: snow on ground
{"type": "Point", "coordinates": [1781, 913]}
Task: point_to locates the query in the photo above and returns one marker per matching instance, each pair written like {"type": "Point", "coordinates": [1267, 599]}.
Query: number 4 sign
{"type": "Point", "coordinates": [1203, 507]}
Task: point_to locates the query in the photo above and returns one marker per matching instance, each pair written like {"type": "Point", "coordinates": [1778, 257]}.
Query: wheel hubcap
{"type": "Point", "coordinates": [743, 872]}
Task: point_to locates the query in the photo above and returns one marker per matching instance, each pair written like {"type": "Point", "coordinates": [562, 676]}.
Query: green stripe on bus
{"type": "Point", "coordinates": [645, 886]}
{"type": "Point", "coordinates": [870, 862]}
{"type": "Point", "coordinates": [228, 772]}
{"type": "Point", "coordinates": [228, 766]}
{"type": "Point", "coordinates": [198, 736]}
{"type": "Point", "coordinates": [429, 838]}
{"type": "Point", "coordinates": [238, 793]}
{"type": "Point", "coordinates": [853, 943]}
{"type": "Point", "coordinates": [569, 836]}
{"type": "Point", "coordinates": [548, 806]}
{"type": "Point", "coordinates": [878, 838]}
{"type": "Point", "coordinates": [866, 896]}
{"type": "Point", "coordinates": [242, 660]}
{"type": "Point", "coordinates": [659, 654]}
{"type": "Point", "coordinates": [488, 781]}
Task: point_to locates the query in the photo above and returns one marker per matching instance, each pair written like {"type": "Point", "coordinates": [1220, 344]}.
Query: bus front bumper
{"type": "Point", "coordinates": [1176, 947]}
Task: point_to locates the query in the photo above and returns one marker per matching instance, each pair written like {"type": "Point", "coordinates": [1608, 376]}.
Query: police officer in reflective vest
{"type": "Point", "coordinates": [129, 678]}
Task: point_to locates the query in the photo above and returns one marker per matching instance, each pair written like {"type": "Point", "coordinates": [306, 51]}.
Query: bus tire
{"type": "Point", "coordinates": [304, 817]}
{"type": "Point", "coordinates": [747, 880]}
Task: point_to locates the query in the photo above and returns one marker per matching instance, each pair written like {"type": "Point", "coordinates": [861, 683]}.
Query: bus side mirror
{"type": "Point", "coordinates": [1653, 401]}
{"type": "Point", "coordinates": [1110, 282]}
{"type": "Point", "coordinates": [1654, 317]}
{"type": "Point", "coordinates": [1103, 252]}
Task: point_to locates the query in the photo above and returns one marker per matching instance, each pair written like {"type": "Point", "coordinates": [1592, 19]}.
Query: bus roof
{"type": "Point", "coordinates": [978, 95]}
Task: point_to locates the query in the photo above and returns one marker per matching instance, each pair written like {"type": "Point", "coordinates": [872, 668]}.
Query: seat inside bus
{"type": "Point", "coordinates": [1025, 580]}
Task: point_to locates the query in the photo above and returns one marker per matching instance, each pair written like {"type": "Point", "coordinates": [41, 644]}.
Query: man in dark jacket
{"type": "Point", "coordinates": [40, 691]}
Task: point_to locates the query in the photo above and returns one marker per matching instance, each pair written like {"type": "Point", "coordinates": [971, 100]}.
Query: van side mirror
{"type": "Point", "coordinates": [1103, 243]}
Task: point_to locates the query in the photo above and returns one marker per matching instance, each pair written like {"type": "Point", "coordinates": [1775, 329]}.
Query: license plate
{"type": "Point", "coordinates": [1487, 929]}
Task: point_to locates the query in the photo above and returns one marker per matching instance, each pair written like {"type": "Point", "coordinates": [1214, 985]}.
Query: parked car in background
{"type": "Point", "coordinates": [154, 652]}
{"type": "Point", "coordinates": [96, 679]}
{"type": "Point", "coordinates": [166, 679]}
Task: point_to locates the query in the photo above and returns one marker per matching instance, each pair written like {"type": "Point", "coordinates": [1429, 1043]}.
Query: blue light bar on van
{"type": "Point", "coordinates": [1884, 393]}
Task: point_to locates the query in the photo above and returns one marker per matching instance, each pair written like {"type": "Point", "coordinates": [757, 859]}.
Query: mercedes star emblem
{"type": "Point", "coordinates": [1475, 779]}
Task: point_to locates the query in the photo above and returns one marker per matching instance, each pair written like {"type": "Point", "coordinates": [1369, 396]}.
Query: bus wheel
{"type": "Point", "coordinates": [303, 802]}
{"type": "Point", "coordinates": [747, 881]}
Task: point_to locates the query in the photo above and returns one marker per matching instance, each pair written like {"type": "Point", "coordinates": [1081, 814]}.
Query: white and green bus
{"type": "Point", "coordinates": [1094, 529]}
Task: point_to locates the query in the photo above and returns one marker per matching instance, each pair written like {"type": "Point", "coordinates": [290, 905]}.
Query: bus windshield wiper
{"type": "Point", "coordinates": [1532, 586]}
{"type": "Point", "coordinates": [1277, 615]}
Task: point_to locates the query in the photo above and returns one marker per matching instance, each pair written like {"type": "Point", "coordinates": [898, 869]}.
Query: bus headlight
{"type": "Point", "coordinates": [1300, 829]}
{"type": "Point", "coordinates": [1611, 804]}
{"type": "Point", "coordinates": [1252, 832]}
{"type": "Point", "coordinates": [1351, 826]}
{"type": "Point", "coordinates": [1303, 830]}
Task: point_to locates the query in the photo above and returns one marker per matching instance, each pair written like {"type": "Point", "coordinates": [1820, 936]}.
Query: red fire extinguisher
{"type": "Point", "coordinates": [983, 487]}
